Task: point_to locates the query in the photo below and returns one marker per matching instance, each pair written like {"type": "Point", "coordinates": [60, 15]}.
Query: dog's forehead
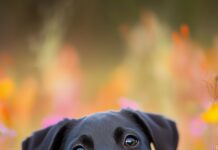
{"type": "Point", "coordinates": [107, 118]}
{"type": "Point", "coordinates": [103, 123]}
{"type": "Point", "coordinates": [103, 129]}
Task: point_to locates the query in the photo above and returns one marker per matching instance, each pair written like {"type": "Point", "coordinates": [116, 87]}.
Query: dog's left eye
{"type": "Point", "coordinates": [79, 147]}
{"type": "Point", "coordinates": [131, 141]}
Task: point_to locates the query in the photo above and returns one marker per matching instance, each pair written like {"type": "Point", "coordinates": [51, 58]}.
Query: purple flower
{"type": "Point", "coordinates": [51, 121]}
{"type": "Point", "coordinates": [127, 103]}
{"type": "Point", "coordinates": [197, 127]}
{"type": "Point", "coordinates": [6, 132]}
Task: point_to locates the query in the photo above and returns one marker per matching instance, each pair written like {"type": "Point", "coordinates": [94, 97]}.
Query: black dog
{"type": "Point", "coordinates": [124, 130]}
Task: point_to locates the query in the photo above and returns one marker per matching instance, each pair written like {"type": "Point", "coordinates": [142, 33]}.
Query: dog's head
{"type": "Point", "coordinates": [124, 130]}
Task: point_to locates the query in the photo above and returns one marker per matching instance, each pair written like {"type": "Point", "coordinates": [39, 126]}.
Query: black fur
{"type": "Point", "coordinates": [107, 131]}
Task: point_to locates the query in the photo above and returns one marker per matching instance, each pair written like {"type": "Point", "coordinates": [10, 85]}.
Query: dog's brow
{"type": "Point", "coordinates": [87, 140]}
{"type": "Point", "coordinates": [118, 133]}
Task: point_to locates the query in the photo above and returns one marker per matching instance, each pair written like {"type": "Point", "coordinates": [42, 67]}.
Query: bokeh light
{"type": "Point", "coordinates": [71, 58]}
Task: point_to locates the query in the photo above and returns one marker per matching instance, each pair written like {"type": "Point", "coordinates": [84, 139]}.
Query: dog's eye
{"type": "Point", "coordinates": [79, 147]}
{"type": "Point", "coordinates": [131, 141]}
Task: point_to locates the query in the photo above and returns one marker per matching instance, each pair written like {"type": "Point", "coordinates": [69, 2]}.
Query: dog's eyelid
{"type": "Point", "coordinates": [129, 131]}
{"type": "Point", "coordinates": [78, 147]}
{"type": "Point", "coordinates": [82, 140]}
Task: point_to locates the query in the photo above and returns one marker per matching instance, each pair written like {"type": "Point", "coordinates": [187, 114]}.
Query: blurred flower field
{"type": "Point", "coordinates": [161, 70]}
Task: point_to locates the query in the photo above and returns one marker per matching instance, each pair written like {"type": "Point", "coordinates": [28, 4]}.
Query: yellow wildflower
{"type": "Point", "coordinates": [211, 115]}
{"type": "Point", "coordinates": [6, 88]}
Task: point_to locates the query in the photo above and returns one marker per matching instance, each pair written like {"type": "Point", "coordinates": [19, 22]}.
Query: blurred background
{"type": "Point", "coordinates": [70, 58]}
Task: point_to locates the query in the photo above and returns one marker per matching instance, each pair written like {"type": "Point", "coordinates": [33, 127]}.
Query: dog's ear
{"type": "Point", "coordinates": [161, 131]}
{"type": "Point", "coordinates": [49, 138]}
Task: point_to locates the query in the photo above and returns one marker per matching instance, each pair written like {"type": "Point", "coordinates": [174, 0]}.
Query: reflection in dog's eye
{"type": "Point", "coordinates": [79, 147]}
{"type": "Point", "coordinates": [131, 141]}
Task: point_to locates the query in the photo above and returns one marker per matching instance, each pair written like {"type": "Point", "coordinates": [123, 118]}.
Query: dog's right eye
{"type": "Point", "coordinates": [131, 141]}
{"type": "Point", "coordinates": [78, 147]}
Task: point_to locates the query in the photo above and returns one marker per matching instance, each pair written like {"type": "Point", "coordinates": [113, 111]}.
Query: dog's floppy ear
{"type": "Point", "coordinates": [49, 138]}
{"type": "Point", "coordinates": [162, 131]}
